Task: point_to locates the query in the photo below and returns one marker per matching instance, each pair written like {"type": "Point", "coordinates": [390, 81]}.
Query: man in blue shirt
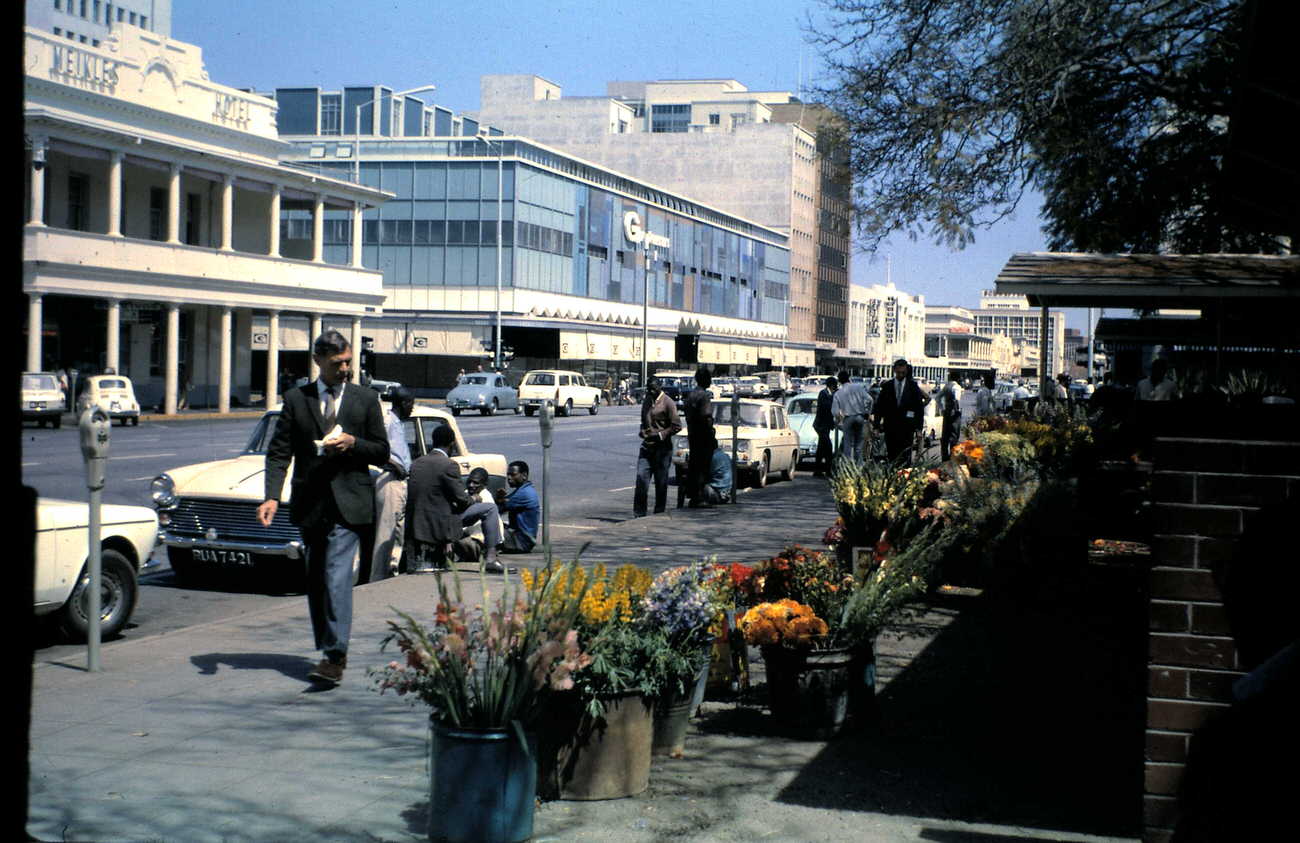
{"type": "Point", "coordinates": [523, 509]}
{"type": "Point", "coordinates": [718, 489]}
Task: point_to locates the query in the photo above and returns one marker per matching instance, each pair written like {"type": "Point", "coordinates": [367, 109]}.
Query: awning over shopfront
{"type": "Point", "coordinates": [600, 345]}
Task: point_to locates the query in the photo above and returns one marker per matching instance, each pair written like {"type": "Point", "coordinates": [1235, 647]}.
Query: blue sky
{"type": "Point", "coordinates": [578, 44]}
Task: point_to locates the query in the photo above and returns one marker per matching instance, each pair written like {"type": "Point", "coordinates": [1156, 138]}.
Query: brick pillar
{"type": "Point", "coordinates": [1203, 492]}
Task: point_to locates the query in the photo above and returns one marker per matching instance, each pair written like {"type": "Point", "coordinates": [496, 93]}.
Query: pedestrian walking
{"type": "Point", "coordinates": [698, 409]}
{"type": "Point", "coordinates": [390, 489]}
{"type": "Point", "coordinates": [333, 432]}
{"type": "Point", "coordinates": [523, 509]}
{"type": "Point", "coordinates": [482, 520]}
{"type": "Point", "coordinates": [659, 423]}
{"type": "Point", "coordinates": [900, 411]}
{"type": "Point", "coordinates": [851, 408]}
{"type": "Point", "coordinates": [823, 424]}
{"type": "Point", "coordinates": [950, 409]}
{"type": "Point", "coordinates": [435, 499]}
{"type": "Point", "coordinates": [984, 397]}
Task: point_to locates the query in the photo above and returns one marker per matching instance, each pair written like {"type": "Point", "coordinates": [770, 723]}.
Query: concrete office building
{"type": "Point", "coordinates": [156, 242]}
{"type": "Point", "coordinates": [759, 154]}
{"type": "Point", "coordinates": [572, 258]}
{"type": "Point", "coordinates": [90, 21]}
{"type": "Point", "coordinates": [1010, 314]}
{"type": "Point", "coordinates": [885, 324]}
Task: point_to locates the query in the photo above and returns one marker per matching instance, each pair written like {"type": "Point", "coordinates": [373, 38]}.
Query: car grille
{"type": "Point", "coordinates": [233, 521]}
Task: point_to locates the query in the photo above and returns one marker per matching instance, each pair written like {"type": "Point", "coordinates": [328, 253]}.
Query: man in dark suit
{"type": "Point", "coordinates": [435, 497]}
{"type": "Point", "coordinates": [900, 410]}
{"type": "Point", "coordinates": [824, 423]}
{"type": "Point", "coordinates": [333, 432]}
{"type": "Point", "coordinates": [698, 409]}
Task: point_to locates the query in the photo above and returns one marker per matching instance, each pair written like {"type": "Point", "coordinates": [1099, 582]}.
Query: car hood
{"type": "Point", "coordinates": [242, 477]}
{"type": "Point", "coordinates": [469, 390]}
{"type": "Point", "coordinates": [802, 424]}
{"type": "Point", "coordinates": [58, 513]}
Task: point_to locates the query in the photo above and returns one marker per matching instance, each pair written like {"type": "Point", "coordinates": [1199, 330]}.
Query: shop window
{"type": "Point", "coordinates": [78, 201]}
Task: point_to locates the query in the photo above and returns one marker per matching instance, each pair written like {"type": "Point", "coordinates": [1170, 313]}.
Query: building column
{"type": "Point", "coordinates": [227, 212]}
{"type": "Point", "coordinates": [274, 230]}
{"type": "Point", "coordinates": [112, 342]}
{"type": "Point", "coordinates": [223, 369]}
{"type": "Point", "coordinates": [37, 197]}
{"type": "Point", "coordinates": [171, 376]}
{"type": "Point", "coordinates": [35, 327]}
{"type": "Point", "coordinates": [318, 229]}
{"type": "Point", "coordinates": [174, 203]}
{"type": "Point", "coordinates": [272, 358]}
{"type": "Point", "coordinates": [1044, 358]}
{"type": "Point", "coordinates": [356, 235]}
{"type": "Point", "coordinates": [356, 349]}
{"type": "Point", "coordinates": [115, 193]}
{"type": "Point", "coordinates": [313, 333]}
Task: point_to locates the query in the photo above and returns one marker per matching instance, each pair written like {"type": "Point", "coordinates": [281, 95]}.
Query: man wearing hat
{"type": "Point", "coordinates": [900, 411]}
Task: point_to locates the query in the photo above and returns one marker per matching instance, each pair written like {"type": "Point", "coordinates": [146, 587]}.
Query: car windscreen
{"type": "Point", "coordinates": [802, 406]}
{"type": "Point", "coordinates": [40, 382]}
{"type": "Point", "coordinates": [751, 415]}
{"type": "Point", "coordinates": [262, 433]}
{"type": "Point", "coordinates": [475, 379]}
{"type": "Point", "coordinates": [540, 379]}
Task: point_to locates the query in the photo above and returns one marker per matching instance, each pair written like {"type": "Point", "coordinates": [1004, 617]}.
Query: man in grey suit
{"type": "Point", "coordinates": [333, 432]}
{"type": "Point", "coordinates": [435, 497]}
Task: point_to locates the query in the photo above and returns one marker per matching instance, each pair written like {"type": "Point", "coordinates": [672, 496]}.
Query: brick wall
{"type": "Point", "coordinates": [1204, 492]}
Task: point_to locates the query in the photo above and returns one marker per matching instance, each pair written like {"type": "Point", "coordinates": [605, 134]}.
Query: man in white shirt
{"type": "Point", "coordinates": [984, 397]}
{"type": "Point", "coordinates": [390, 488]}
{"type": "Point", "coordinates": [850, 407]}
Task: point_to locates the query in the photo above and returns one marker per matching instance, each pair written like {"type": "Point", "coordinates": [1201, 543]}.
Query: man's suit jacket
{"type": "Point", "coordinates": [825, 419]}
{"type": "Point", "coordinates": [891, 410]}
{"type": "Point", "coordinates": [327, 487]}
{"type": "Point", "coordinates": [435, 495]}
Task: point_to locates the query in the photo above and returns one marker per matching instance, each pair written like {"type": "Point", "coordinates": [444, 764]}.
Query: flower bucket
{"type": "Point", "coordinates": [585, 759]}
{"type": "Point", "coordinates": [482, 784]}
{"type": "Point", "coordinates": [812, 693]}
{"type": "Point", "coordinates": [673, 713]}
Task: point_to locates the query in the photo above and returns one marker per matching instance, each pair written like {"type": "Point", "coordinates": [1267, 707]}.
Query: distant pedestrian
{"type": "Point", "coordinates": [900, 412]}
{"type": "Point", "coordinates": [851, 408]}
{"type": "Point", "coordinates": [435, 498]}
{"type": "Point", "coordinates": [950, 409]}
{"type": "Point", "coordinates": [698, 409]}
{"type": "Point", "coordinates": [659, 423]}
{"type": "Point", "coordinates": [183, 399]}
{"type": "Point", "coordinates": [522, 507]}
{"type": "Point", "coordinates": [390, 488]}
{"type": "Point", "coordinates": [1157, 387]}
{"type": "Point", "coordinates": [824, 424]}
{"type": "Point", "coordinates": [984, 397]}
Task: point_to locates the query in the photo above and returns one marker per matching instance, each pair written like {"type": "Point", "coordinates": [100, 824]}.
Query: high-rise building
{"type": "Point", "coordinates": [1010, 314]}
{"type": "Point", "coordinates": [90, 21]}
{"type": "Point", "coordinates": [761, 154]}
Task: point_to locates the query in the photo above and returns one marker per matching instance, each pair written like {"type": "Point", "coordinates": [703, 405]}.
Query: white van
{"type": "Point", "coordinates": [567, 389]}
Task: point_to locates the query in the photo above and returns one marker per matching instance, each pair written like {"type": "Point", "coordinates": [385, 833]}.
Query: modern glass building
{"type": "Point", "coordinates": [561, 236]}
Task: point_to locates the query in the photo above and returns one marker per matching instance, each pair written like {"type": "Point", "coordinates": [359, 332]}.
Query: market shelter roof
{"type": "Point", "coordinates": [1070, 279]}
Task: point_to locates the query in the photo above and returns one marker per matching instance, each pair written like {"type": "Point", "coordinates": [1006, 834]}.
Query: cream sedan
{"type": "Point", "coordinates": [765, 441]}
{"type": "Point", "coordinates": [208, 511]}
{"type": "Point", "coordinates": [127, 536]}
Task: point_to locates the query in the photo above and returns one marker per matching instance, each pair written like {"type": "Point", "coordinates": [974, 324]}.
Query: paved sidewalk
{"type": "Point", "coordinates": [214, 733]}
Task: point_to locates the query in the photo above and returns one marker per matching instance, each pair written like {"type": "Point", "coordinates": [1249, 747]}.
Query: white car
{"type": "Point", "coordinates": [127, 537]}
{"type": "Point", "coordinates": [113, 393]}
{"type": "Point", "coordinates": [486, 392]}
{"type": "Point", "coordinates": [764, 440]}
{"type": "Point", "coordinates": [41, 400]}
{"type": "Point", "coordinates": [207, 511]}
{"type": "Point", "coordinates": [567, 389]}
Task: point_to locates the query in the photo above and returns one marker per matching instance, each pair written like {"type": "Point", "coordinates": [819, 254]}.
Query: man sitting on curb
{"type": "Point", "coordinates": [718, 489]}
{"type": "Point", "coordinates": [482, 522]}
{"type": "Point", "coordinates": [522, 507]}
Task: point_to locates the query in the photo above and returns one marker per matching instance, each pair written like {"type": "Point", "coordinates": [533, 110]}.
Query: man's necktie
{"type": "Point", "coordinates": [331, 409]}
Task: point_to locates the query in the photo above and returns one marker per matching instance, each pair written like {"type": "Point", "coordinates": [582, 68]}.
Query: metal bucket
{"type": "Point", "coordinates": [583, 758]}
{"type": "Point", "coordinates": [482, 784]}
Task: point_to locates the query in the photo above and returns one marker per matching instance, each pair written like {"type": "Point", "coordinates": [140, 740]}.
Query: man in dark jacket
{"type": "Point", "coordinates": [435, 498]}
{"type": "Point", "coordinates": [900, 410]}
{"type": "Point", "coordinates": [333, 431]}
{"type": "Point", "coordinates": [824, 423]}
{"type": "Point", "coordinates": [698, 410]}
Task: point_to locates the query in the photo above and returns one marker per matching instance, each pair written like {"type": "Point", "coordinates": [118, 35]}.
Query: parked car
{"type": "Point", "coordinates": [127, 537]}
{"type": "Point", "coordinates": [567, 389]}
{"type": "Point", "coordinates": [801, 411]}
{"type": "Point", "coordinates": [752, 386]}
{"type": "Point", "coordinates": [41, 400]}
{"type": "Point", "coordinates": [208, 511]}
{"type": "Point", "coordinates": [722, 387]}
{"type": "Point", "coordinates": [487, 392]}
{"type": "Point", "coordinates": [764, 440]}
{"type": "Point", "coordinates": [114, 393]}
{"type": "Point", "coordinates": [1003, 395]}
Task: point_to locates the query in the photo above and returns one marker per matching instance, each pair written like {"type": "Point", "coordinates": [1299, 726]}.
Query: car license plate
{"type": "Point", "coordinates": [223, 557]}
{"type": "Point", "coordinates": [115, 406]}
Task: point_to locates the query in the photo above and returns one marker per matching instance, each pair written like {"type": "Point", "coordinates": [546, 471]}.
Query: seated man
{"type": "Point", "coordinates": [482, 522]}
{"type": "Point", "coordinates": [718, 488]}
{"type": "Point", "coordinates": [522, 507]}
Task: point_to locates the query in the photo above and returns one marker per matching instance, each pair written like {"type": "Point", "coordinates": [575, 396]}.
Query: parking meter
{"type": "Point", "coordinates": [547, 420]}
{"type": "Point", "coordinates": [95, 425]}
{"type": "Point", "coordinates": [735, 437]}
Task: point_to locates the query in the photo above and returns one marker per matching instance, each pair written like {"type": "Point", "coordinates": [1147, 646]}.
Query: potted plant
{"type": "Point", "coordinates": [485, 670]}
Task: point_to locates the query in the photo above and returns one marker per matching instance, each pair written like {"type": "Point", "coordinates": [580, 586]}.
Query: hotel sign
{"type": "Point", "coordinates": [636, 233]}
{"type": "Point", "coordinates": [230, 110]}
{"type": "Point", "coordinates": [78, 66]}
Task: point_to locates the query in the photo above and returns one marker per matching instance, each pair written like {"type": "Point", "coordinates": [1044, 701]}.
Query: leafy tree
{"type": "Point", "coordinates": [1116, 110]}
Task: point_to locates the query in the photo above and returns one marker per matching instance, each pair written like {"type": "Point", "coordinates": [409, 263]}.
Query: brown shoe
{"type": "Point", "coordinates": [328, 671]}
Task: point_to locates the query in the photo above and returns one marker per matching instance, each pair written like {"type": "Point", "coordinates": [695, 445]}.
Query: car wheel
{"type": "Point", "coordinates": [568, 408]}
{"type": "Point", "coordinates": [118, 593]}
{"type": "Point", "coordinates": [496, 406]}
{"type": "Point", "coordinates": [595, 407]}
{"type": "Point", "coordinates": [760, 480]}
{"type": "Point", "coordinates": [518, 409]}
{"type": "Point", "coordinates": [455, 412]}
{"type": "Point", "coordinates": [528, 411]}
{"type": "Point", "coordinates": [790, 472]}
{"type": "Point", "coordinates": [135, 422]}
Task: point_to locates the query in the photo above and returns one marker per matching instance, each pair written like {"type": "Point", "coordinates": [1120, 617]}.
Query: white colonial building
{"type": "Point", "coordinates": [159, 218]}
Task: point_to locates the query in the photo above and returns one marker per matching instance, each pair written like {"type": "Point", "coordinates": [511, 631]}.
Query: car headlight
{"type": "Point", "coordinates": [163, 491]}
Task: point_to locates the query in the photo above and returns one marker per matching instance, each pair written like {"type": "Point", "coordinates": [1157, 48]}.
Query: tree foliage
{"type": "Point", "coordinates": [1116, 110]}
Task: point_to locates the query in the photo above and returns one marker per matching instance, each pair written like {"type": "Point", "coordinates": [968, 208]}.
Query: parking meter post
{"type": "Point", "coordinates": [735, 436]}
{"type": "Point", "coordinates": [546, 418]}
{"type": "Point", "coordinates": [94, 425]}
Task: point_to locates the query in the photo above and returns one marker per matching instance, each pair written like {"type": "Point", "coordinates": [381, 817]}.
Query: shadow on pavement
{"type": "Point", "coordinates": [1024, 710]}
{"type": "Point", "coordinates": [292, 667]}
